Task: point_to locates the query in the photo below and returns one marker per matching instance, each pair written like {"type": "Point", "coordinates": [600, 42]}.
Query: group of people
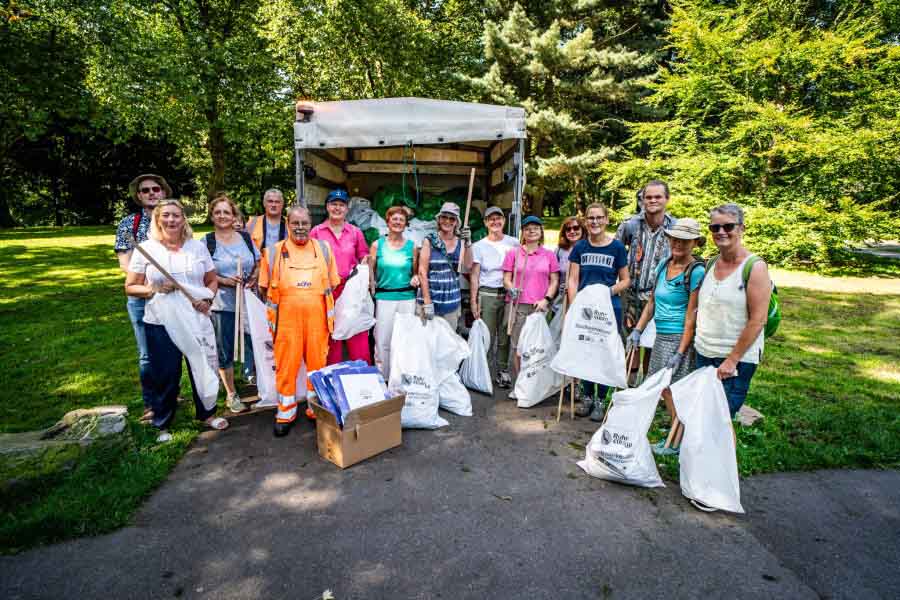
{"type": "Point", "coordinates": [649, 265]}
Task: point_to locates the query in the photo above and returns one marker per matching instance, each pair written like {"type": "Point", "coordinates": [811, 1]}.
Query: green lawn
{"type": "Point", "coordinates": [829, 386]}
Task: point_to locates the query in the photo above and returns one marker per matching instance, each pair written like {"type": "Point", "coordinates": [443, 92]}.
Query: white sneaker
{"type": "Point", "coordinates": [234, 403]}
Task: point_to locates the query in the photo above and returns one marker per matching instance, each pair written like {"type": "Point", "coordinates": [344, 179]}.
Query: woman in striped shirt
{"type": "Point", "coordinates": [439, 293]}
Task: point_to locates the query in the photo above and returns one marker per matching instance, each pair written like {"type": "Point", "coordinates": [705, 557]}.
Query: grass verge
{"type": "Point", "coordinates": [65, 343]}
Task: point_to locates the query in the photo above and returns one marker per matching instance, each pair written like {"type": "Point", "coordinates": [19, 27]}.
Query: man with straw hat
{"type": "Point", "coordinates": [146, 192]}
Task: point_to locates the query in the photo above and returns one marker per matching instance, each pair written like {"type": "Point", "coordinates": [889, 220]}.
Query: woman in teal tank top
{"type": "Point", "coordinates": [393, 264]}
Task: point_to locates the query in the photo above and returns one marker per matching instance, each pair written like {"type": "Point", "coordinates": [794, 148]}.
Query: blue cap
{"type": "Point", "coordinates": [337, 196]}
{"type": "Point", "coordinates": [531, 219]}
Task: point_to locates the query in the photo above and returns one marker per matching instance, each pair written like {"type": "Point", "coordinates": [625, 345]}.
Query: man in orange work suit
{"type": "Point", "coordinates": [300, 304]}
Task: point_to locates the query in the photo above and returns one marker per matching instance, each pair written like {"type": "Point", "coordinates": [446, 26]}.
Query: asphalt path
{"type": "Point", "coordinates": [492, 506]}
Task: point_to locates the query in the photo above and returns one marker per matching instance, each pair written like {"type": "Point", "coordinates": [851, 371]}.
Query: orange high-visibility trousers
{"type": "Point", "coordinates": [302, 336]}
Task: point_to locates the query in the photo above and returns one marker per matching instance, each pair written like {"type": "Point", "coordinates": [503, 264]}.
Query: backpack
{"type": "Point", "coordinates": [686, 282]}
{"type": "Point", "coordinates": [211, 242]}
{"type": "Point", "coordinates": [774, 316]}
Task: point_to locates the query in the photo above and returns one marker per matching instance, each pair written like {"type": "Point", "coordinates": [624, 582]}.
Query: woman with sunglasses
{"type": "Point", "coordinates": [570, 233]}
{"type": "Point", "coordinates": [731, 317]}
{"type": "Point", "coordinates": [188, 261]}
{"type": "Point", "coordinates": [598, 259]}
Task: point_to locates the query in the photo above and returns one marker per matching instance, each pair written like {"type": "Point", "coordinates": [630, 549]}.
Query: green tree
{"type": "Point", "coordinates": [789, 107]}
{"type": "Point", "coordinates": [347, 49]}
{"type": "Point", "coordinates": [200, 73]}
{"type": "Point", "coordinates": [569, 65]}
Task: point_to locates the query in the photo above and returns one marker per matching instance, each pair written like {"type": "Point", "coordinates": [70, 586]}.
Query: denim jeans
{"type": "Point", "coordinates": [135, 308]}
{"type": "Point", "coordinates": [223, 324]}
{"type": "Point", "coordinates": [736, 387]}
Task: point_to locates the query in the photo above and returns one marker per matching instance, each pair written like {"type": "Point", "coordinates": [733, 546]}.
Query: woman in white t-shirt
{"type": "Point", "coordinates": [487, 294]}
{"type": "Point", "coordinates": [188, 261]}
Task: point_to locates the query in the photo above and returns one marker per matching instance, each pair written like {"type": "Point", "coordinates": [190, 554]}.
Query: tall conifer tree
{"type": "Point", "coordinates": [577, 78]}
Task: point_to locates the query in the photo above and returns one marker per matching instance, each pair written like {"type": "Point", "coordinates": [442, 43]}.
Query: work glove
{"type": "Point", "coordinates": [428, 311]}
{"type": "Point", "coordinates": [634, 339]}
{"type": "Point", "coordinates": [514, 294]}
{"type": "Point", "coordinates": [465, 234]}
{"type": "Point", "coordinates": [675, 361]}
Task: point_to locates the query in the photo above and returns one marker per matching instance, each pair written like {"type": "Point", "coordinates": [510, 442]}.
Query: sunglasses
{"type": "Point", "coordinates": [573, 228]}
{"type": "Point", "coordinates": [147, 190]}
{"type": "Point", "coordinates": [728, 227]}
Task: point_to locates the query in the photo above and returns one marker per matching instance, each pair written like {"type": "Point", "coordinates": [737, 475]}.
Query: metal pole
{"type": "Point", "coordinates": [300, 178]}
{"type": "Point", "coordinates": [518, 188]}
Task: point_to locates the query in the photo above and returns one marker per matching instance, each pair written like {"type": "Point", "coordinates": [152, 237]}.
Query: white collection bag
{"type": "Point", "coordinates": [263, 350]}
{"type": "Point", "coordinates": [450, 350]}
{"type": "Point", "coordinates": [354, 311]}
{"type": "Point", "coordinates": [475, 371]}
{"type": "Point", "coordinates": [556, 324]}
{"type": "Point", "coordinates": [413, 372]}
{"type": "Point", "coordinates": [708, 457]}
{"type": "Point", "coordinates": [591, 347]}
{"type": "Point", "coordinates": [648, 336]}
{"type": "Point", "coordinates": [536, 348]}
{"type": "Point", "coordinates": [192, 332]}
{"type": "Point", "coordinates": [454, 397]}
{"type": "Point", "coordinates": [619, 450]}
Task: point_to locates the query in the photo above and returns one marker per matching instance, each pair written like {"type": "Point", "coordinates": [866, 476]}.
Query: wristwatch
{"type": "Point", "coordinates": [548, 299]}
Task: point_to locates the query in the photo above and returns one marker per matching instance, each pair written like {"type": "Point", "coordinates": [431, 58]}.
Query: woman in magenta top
{"type": "Point", "coordinates": [531, 276]}
{"type": "Point", "coordinates": [350, 249]}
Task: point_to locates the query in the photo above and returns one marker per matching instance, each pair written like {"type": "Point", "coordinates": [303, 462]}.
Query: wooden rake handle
{"type": "Point", "coordinates": [162, 270]}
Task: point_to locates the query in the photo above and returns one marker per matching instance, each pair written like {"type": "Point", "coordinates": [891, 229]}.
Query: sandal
{"type": "Point", "coordinates": [147, 417]}
{"type": "Point", "coordinates": [216, 423]}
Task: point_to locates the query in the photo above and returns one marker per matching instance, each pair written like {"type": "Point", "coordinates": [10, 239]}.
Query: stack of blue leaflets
{"type": "Point", "coordinates": [348, 386]}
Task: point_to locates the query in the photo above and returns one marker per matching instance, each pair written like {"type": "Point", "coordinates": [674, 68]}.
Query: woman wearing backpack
{"type": "Point", "coordinates": [673, 306]}
{"type": "Point", "coordinates": [733, 307]}
{"type": "Point", "coordinates": [227, 248]}
{"type": "Point", "coordinates": [393, 279]}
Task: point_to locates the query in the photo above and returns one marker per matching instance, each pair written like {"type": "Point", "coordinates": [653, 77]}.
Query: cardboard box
{"type": "Point", "coordinates": [367, 431]}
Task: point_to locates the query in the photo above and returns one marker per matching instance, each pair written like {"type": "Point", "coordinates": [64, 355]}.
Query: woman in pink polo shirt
{"type": "Point", "coordinates": [349, 246]}
{"type": "Point", "coordinates": [531, 276]}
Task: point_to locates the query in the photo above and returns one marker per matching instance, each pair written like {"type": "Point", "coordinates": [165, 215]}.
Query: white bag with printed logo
{"type": "Point", "coordinates": [619, 450]}
{"type": "Point", "coordinates": [354, 311]}
{"type": "Point", "coordinates": [708, 458]}
{"type": "Point", "coordinates": [536, 348]}
{"type": "Point", "coordinates": [591, 347]}
{"type": "Point", "coordinates": [475, 371]}
{"type": "Point", "coordinates": [413, 372]}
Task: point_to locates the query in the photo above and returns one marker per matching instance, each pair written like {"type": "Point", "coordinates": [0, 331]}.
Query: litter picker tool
{"type": "Point", "coordinates": [571, 385]}
{"type": "Point", "coordinates": [462, 251]}
{"type": "Point", "coordinates": [515, 303]}
{"type": "Point", "coordinates": [160, 268]}
{"type": "Point", "coordinates": [238, 325]}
